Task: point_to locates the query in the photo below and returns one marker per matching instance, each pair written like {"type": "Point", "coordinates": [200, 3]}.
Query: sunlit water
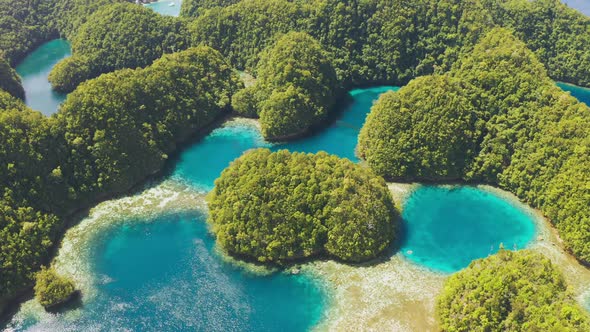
{"type": "Point", "coordinates": [35, 69]}
{"type": "Point", "coordinates": [448, 227]}
{"type": "Point", "coordinates": [166, 7]}
{"type": "Point", "coordinates": [580, 93]}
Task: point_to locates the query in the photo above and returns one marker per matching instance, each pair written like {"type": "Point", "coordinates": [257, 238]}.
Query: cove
{"type": "Point", "coordinates": [35, 69]}
{"type": "Point", "coordinates": [448, 227]}
{"type": "Point", "coordinates": [166, 7]}
{"type": "Point", "coordinates": [580, 93]}
{"type": "Point", "coordinates": [165, 275]}
{"type": "Point", "coordinates": [201, 163]}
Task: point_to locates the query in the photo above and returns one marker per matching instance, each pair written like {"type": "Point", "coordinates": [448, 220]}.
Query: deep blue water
{"type": "Point", "coordinates": [35, 69]}
{"type": "Point", "coordinates": [447, 228]}
{"type": "Point", "coordinates": [582, 94]}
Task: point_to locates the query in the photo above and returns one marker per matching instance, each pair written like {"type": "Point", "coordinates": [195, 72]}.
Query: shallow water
{"type": "Point", "coordinates": [448, 227]}
{"type": "Point", "coordinates": [165, 7]}
{"type": "Point", "coordinates": [580, 93]}
{"type": "Point", "coordinates": [35, 69]}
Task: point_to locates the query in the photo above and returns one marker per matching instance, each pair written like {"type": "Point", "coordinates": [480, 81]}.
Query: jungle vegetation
{"type": "Point", "coordinates": [114, 37]}
{"type": "Point", "coordinates": [495, 118]}
{"type": "Point", "coordinates": [393, 41]}
{"type": "Point", "coordinates": [296, 87]}
{"type": "Point", "coordinates": [510, 291]}
{"type": "Point", "coordinates": [110, 133]}
{"type": "Point", "coordinates": [9, 79]}
{"type": "Point", "coordinates": [283, 206]}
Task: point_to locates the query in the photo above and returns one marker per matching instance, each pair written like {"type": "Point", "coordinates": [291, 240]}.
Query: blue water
{"type": "Point", "coordinates": [202, 163]}
{"type": "Point", "coordinates": [447, 228]}
{"type": "Point", "coordinates": [165, 275]}
{"type": "Point", "coordinates": [35, 69]}
{"type": "Point", "coordinates": [164, 7]}
{"type": "Point", "coordinates": [582, 94]}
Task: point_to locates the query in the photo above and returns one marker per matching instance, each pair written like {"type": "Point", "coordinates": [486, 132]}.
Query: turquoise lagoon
{"type": "Point", "coordinates": [202, 163]}
{"type": "Point", "coordinates": [448, 227]}
{"type": "Point", "coordinates": [35, 69]}
{"type": "Point", "coordinates": [165, 273]}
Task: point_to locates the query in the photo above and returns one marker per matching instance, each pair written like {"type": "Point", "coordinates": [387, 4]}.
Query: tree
{"type": "Point", "coordinates": [51, 289]}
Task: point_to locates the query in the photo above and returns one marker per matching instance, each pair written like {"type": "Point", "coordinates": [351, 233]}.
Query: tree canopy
{"type": "Point", "coordinates": [283, 206]}
{"type": "Point", "coordinates": [9, 80]}
{"type": "Point", "coordinates": [296, 87]}
{"type": "Point", "coordinates": [393, 41]}
{"type": "Point", "coordinates": [510, 291]}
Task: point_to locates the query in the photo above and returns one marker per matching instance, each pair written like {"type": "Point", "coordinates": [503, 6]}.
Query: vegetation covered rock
{"type": "Point", "coordinates": [9, 80]}
{"type": "Point", "coordinates": [114, 37]}
{"type": "Point", "coordinates": [426, 131]}
{"type": "Point", "coordinates": [296, 87]}
{"type": "Point", "coordinates": [51, 289]}
{"type": "Point", "coordinates": [510, 291]}
{"type": "Point", "coordinates": [282, 206]}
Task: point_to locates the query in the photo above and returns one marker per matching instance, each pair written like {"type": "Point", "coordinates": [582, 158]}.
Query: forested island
{"type": "Point", "coordinates": [479, 105]}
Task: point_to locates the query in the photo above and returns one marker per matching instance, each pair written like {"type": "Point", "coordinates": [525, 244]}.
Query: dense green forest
{"type": "Point", "coordinates": [510, 291]}
{"type": "Point", "coordinates": [110, 133]}
{"type": "Point", "coordinates": [296, 87]}
{"type": "Point", "coordinates": [114, 37]}
{"type": "Point", "coordinates": [192, 8]}
{"type": "Point", "coordinates": [393, 41]}
{"type": "Point", "coordinates": [26, 24]}
{"type": "Point", "coordinates": [282, 206]}
{"type": "Point", "coordinates": [496, 118]}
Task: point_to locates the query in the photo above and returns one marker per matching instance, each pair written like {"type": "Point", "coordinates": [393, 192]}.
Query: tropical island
{"type": "Point", "coordinates": [479, 105]}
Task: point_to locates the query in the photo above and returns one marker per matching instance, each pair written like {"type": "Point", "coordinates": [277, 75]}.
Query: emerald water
{"type": "Point", "coordinates": [448, 227]}
{"type": "Point", "coordinates": [35, 69]}
{"type": "Point", "coordinates": [166, 7]}
{"type": "Point", "coordinates": [580, 93]}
